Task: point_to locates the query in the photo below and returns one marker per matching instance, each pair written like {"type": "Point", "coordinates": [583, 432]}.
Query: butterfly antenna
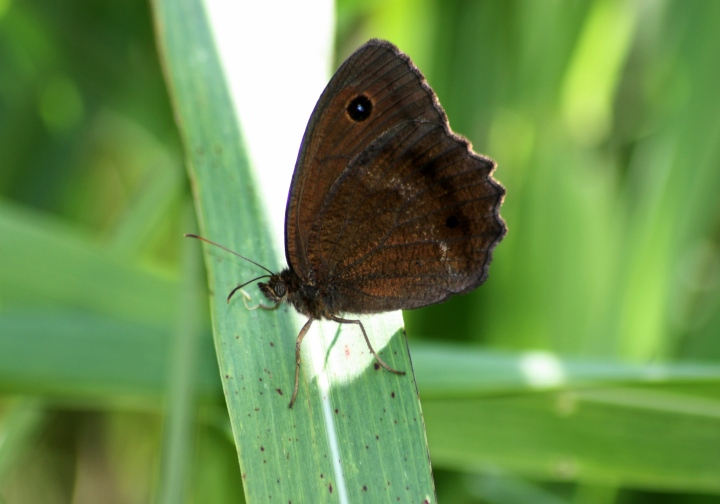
{"type": "Point", "coordinates": [189, 235]}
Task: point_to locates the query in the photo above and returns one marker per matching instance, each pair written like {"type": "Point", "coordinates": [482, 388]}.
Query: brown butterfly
{"type": "Point", "coordinates": [388, 208]}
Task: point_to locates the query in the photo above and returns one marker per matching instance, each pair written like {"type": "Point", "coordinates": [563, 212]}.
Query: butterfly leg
{"type": "Point", "coordinates": [367, 340]}
{"type": "Point", "coordinates": [300, 337]}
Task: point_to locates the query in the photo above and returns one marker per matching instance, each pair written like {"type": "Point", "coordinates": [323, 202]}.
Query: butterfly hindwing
{"type": "Point", "coordinates": [433, 222]}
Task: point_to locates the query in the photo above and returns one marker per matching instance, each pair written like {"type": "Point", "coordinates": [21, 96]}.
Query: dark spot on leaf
{"type": "Point", "coordinates": [364, 488]}
{"type": "Point", "coordinates": [330, 487]}
{"type": "Point", "coordinates": [392, 395]}
{"type": "Point", "coordinates": [279, 391]}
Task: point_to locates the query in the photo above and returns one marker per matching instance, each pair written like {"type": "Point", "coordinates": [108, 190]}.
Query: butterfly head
{"type": "Point", "coordinates": [281, 286]}
{"type": "Point", "coordinates": [274, 289]}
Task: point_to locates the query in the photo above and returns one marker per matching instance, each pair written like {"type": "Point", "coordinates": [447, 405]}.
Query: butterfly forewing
{"type": "Point", "coordinates": [397, 93]}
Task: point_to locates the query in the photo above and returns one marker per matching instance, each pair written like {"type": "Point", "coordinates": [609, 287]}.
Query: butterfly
{"type": "Point", "coordinates": [388, 209]}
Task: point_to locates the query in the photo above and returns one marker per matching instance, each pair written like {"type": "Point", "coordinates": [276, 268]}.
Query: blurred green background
{"type": "Point", "coordinates": [604, 118]}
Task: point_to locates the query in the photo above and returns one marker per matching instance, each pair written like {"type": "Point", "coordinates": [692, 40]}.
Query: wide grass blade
{"type": "Point", "coordinates": [355, 433]}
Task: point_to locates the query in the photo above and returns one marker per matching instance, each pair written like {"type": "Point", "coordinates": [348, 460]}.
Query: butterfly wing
{"type": "Point", "coordinates": [332, 138]}
{"type": "Point", "coordinates": [388, 208]}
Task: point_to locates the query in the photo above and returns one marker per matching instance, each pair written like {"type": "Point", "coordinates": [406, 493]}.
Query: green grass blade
{"type": "Point", "coordinates": [21, 423]}
{"type": "Point", "coordinates": [355, 433]}
{"type": "Point", "coordinates": [181, 411]}
{"type": "Point", "coordinates": [73, 355]}
{"type": "Point", "coordinates": [446, 371]}
{"type": "Point", "coordinates": [612, 436]}
{"type": "Point", "coordinates": [641, 426]}
{"type": "Point", "coordinates": [46, 260]}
